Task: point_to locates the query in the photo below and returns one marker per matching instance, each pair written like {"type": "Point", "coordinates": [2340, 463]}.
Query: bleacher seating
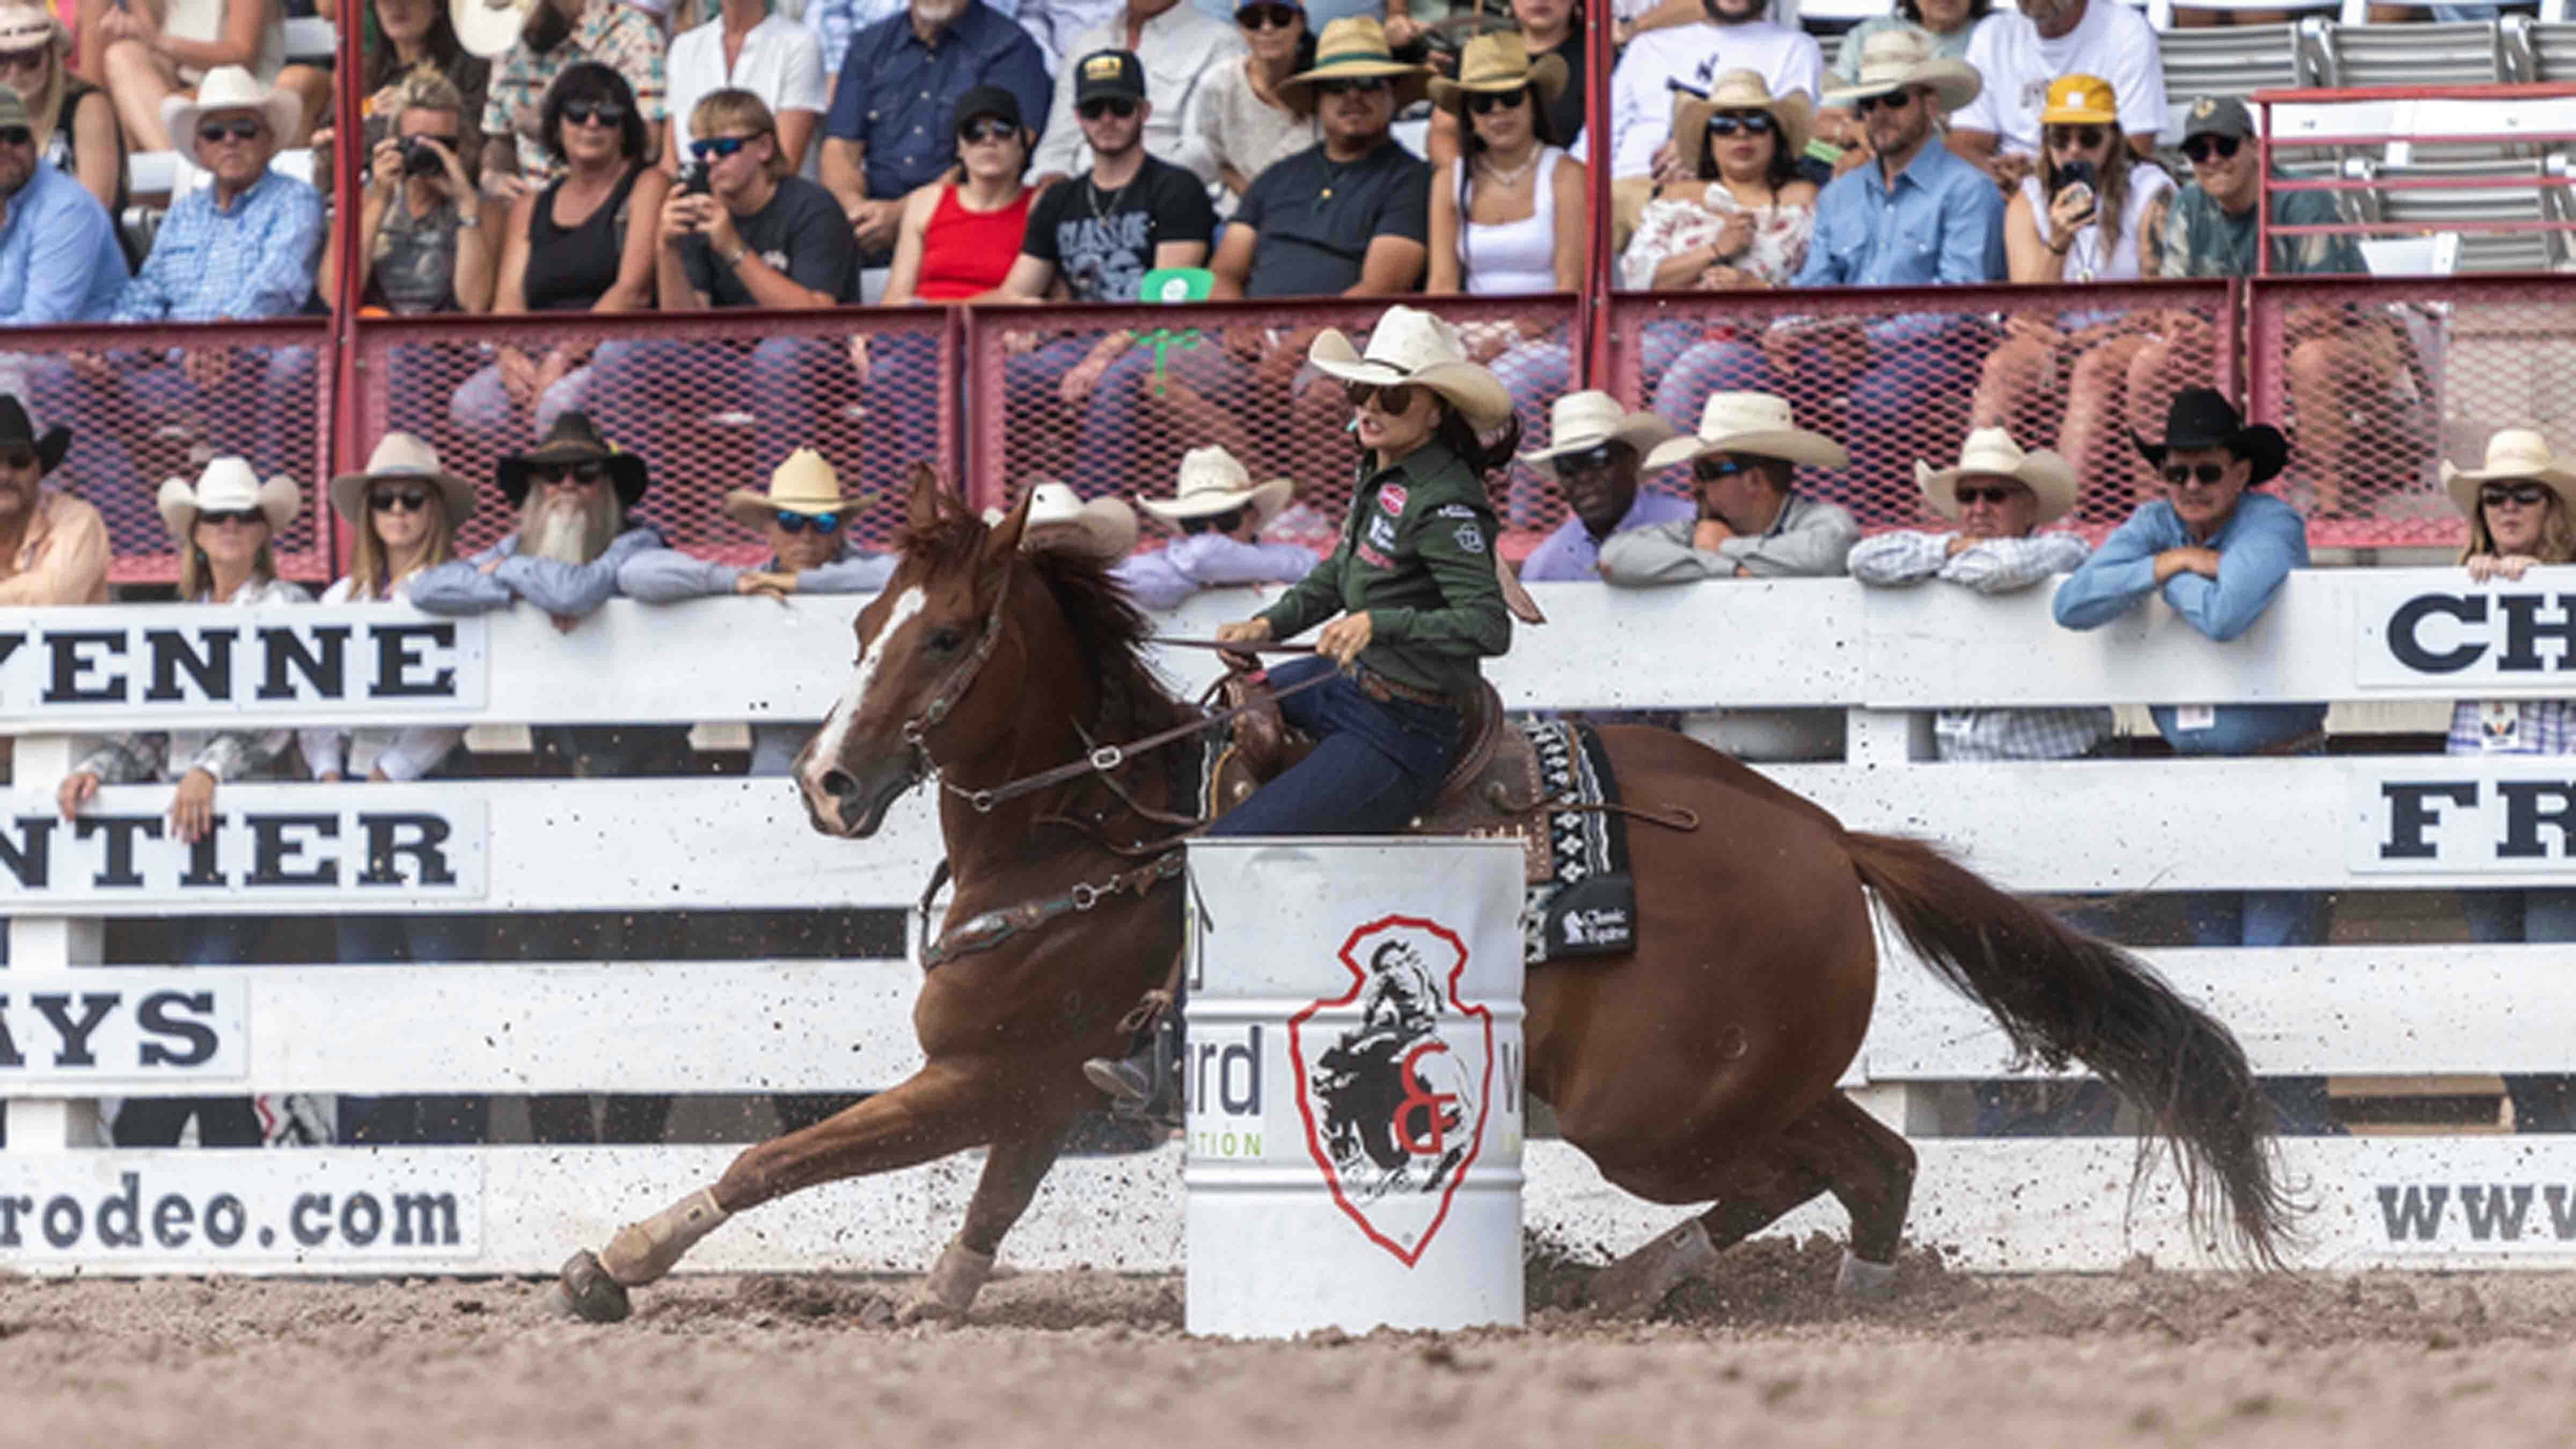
{"type": "Point", "coordinates": [2461, 53]}
{"type": "Point", "coordinates": [2233, 61]}
{"type": "Point", "coordinates": [2527, 189]}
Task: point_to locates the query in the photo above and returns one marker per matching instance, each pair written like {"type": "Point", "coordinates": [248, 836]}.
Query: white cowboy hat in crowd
{"type": "Point", "coordinates": [1496, 64]}
{"type": "Point", "coordinates": [805, 484]}
{"type": "Point", "coordinates": [1755, 423]}
{"type": "Point", "coordinates": [1214, 481]}
{"type": "Point", "coordinates": [1581, 421]}
{"type": "Point", "coordinates": [1742, 90]}
{"type": "Point", "coordinates": [1992, 453]}
{"type": "Point", "coordinates": [228, 484]}
{"type": "Point", "coordinates": [228, 88]}
{"type": "Point", "coordinates": [24, 26]}
{"type": "Point", "coordinates": [489, 28]}
{"type": "Point", "coordinates": [1903, 56]}
{"type": "Point", "coordinates": [1106, 526]}
{"type": "Point", "coordinates": [2513, 455]}
{"type": "Point", "coordinates": [1412, 347]}
{"type": "Point", "coordinates": [400, 456]}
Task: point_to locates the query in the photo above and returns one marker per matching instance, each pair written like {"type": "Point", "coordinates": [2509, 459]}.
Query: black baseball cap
{"type": "Point", "coordinates": [2218, 116]}
{"type": "Point", "coordinates": [986, 101]}
{"type": "Point", "coordinates": [1109, 75]}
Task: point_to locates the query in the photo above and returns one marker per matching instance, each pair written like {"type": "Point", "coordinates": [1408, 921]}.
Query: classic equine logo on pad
{"type": "Point", "coordinates": [1395, 1107]}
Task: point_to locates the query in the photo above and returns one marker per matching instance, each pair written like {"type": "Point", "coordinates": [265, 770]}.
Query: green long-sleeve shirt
{"type": "Point", "coordinates": [1417, 556]}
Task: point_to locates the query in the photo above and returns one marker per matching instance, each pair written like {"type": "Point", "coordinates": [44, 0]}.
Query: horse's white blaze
{"type": "Point", "coordinates": [836, 730]}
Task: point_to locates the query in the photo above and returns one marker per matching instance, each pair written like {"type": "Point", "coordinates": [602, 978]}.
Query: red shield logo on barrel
{"type": "Point", "coordinates": [1394, 1103]}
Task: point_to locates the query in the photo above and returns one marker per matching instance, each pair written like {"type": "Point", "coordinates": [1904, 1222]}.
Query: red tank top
{"type": "Point", "coordinates": [966, 252]}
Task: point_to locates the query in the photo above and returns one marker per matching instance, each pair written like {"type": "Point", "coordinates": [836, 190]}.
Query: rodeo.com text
{"type": "Point", "coordinates": [249, 1219]}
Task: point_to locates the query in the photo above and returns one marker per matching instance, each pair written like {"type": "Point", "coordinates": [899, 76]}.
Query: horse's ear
{"type": "Point", "coordinates": [1004, 539]}
{"type": "Point", "coordinates": [929, 499]}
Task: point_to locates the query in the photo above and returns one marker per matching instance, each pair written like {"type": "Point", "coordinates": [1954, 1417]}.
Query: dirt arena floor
{"type": "Point", "coordinates": [1760, 1355]}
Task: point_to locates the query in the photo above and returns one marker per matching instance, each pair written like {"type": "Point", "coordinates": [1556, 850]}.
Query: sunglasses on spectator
{"type": "Point", "coordinates": [398, 500]}
{"type": "Point", "coordinates": [1392, 399]}
{"type": "Point", "coordinates": [986, 128]}
{"type": "Point", "coordinates": [1892, 101]}
{"type": "Point", "coordinates": [1486, 102]}
{"type": "Point", "coordinates": [1362, 86]}
{"type": "Point", "coordinates": [1970, 497]}
{"type": "Point", "coordinates": [32, 58]}
{"type": "Point", "coordinates": [826, 524]}
{"type": "Point", "coordinates": [1715, 469]}
{"type": "Point", "coordinates": [2207, 474]}
{"type": "Point", "coordinates": [1751, 123]}
{"type": "Point", "coordinates": [578, 474]}
{"type": "Point", "coordinates": [19, 458]}
{"type": "Point", "coordinates": [2496, 495]}
{"type": "Point", "coordinates": [2075, 138]}
{"type": "Point", "coordinates": [718, 147]}
{"type": "Point", "coordinates": [16, 136]}
{"type": "Point", "coordinates": [583, 113]}
{"type": "Point", "coordinates": [1275, 17]}
{"type": "Point", "coordinates": [2201, 148]}
{"type": "Point", "coordinates": [1121, 107]}
{"type": "Point", "coordinates": [1213, 523]}
{"type": "Point", "coordinates": [243, 516]}
{"type": "Point", "coordinates": [239, 128]}
{"type": "Point", "coordinates": [1595, 459]}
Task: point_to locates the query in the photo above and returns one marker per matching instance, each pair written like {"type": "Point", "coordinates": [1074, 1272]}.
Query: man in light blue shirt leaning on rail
{"type": "Point", "coordinates": [59, 261]}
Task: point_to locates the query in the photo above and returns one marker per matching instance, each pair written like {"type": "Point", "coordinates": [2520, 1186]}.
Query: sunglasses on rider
{"type": "Point", "coordinates": [718, 147]}
{"type": "Point", "coordinates": [398, 500]}
{"type": "Point", "coordinates": [1750, 123]}
{"type": "Point", "coordinates": [1393, 399]}
{"type": "Point", "coordinates": [1891, 102]}
{"type": "Point", "coordinates": [19, 459]}
{"type": "Point", "coordinates": [2201, 148]}
{"type": "Point", "coordinates": [1361, 86]}
{"type": "Point", "coordinates": [243, 516]}
{"type": "Point", "coordinates": [2206, 474]}
{"type": "Point", "coordinates": [580, 475]}
{"type": "Point", "coordinates": [1274, 17]}
{"type": "Point", "coordinates": [1119, 106]}
{"type": "Point", "coordinates": [986, 128]}
{"type": "Point", "coordinates": [1487, 102]}
{"type": "Point", "coordinates": [583, 113]}
{"type": "Point", "coordinates": [239, 128]}
{"type": "Point", "coordinates": [825, 524]}
{"type": "Point", "coordinates": [2075, 138]}
{"type": "Point", "coordinates": [1970, 495]}
{"type": "Point", "coordinates": [2496, 495]}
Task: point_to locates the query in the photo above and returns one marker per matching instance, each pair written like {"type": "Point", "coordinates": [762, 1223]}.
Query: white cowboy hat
{"type": "Point", "coordinates": [1903, 56]}
{"type": "Point", "coordinates": [1409, 346]}
{"type": "Point", "coordinates": [228, 484]}
{"type": "Point", "coordinates": [1107, 525]}
{"type": "Point", "coordinates": [1214, 481]}
{"type": "Point", "coordinates": [1755, 423]}
{"type": "Point", "coordinates": [1742, 90]}
{"type": "Point", "coordinates": [228, 88]}
{"type": "Point", "coordinates": [805, 484]}
{"type": "Point", "coordinates": [1580, 421]}
{"type": "Point", "coordinates": [1992, 453]}
{"type": "Point", "coordinates": [1497, 63]}
{"type": "Point", "coordinates": [2513, 455]}
{"type": "Point", "coordinates": [400, 455]}
{"type": "Point", "coordinates": [489, 28]}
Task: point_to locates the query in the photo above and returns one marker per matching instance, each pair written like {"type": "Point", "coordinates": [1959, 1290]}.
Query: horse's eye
{"type": "Point", "coordinates": [946, 641]}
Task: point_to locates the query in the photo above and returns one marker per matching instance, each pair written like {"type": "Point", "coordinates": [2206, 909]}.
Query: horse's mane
{"type": "Point", "coordinates": [1108, 629]}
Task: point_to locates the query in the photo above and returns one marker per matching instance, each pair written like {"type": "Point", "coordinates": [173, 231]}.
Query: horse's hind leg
{"type": "Point", "coordinates": [1837, 1148]}
{"type": "Point", "coordinates": [1013, 1168]}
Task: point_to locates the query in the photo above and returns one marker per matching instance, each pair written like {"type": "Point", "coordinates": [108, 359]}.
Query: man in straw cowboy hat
{"type": "Point", "coordinates": [1219, 513]}
{"type": "Point", "coordinates": [2021, 52]}
{"type": "Point", "coordinates": [530, 42]}
{"type": "Point", "coordinates": [1181, 50]}
{"type": "Point", "coordinates": [806, 520]}
{"type": "Point", "coordinates": [1595, 449]}
{"type": "Point", "coordinates": [1998, 496]}
{"type": "Point", "coordinates": [1752, 523]}
{"type": "Point", "coordinates": [1736, 35]}
{"type": "Point", "coordinates": [59, 259]}
{"type": "Point", "coordinates": [2217, 554]}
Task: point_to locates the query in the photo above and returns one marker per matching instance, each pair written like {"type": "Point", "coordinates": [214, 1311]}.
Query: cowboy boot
{"type": "Point", "coordinates": [1146, 1082]}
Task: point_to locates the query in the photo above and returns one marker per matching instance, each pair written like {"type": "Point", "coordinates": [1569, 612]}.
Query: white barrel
{"type": "Point", "coordinates": [1353, 1076]}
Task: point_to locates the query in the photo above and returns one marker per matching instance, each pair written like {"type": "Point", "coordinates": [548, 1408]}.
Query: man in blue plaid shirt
{"type": "Point", "coordinates": [2000, 497]}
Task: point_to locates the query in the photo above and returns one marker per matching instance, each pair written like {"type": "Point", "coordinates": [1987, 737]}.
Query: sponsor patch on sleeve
{"type": "Point", "coordinates": [1391, 497]}
{"type": "Point", "coordinates": [1471, 537]}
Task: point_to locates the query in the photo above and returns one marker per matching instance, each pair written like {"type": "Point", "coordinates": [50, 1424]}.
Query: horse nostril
{"type": "Point", "coordinates": [839, 785]}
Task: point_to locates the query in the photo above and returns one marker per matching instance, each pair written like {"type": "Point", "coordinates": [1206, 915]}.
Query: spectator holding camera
{"type": "Point", "coordinates": [430, 242]}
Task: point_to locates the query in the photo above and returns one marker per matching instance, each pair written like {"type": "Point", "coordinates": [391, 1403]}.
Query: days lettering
{"type": "Point", "coordinates": [2523, 817]}
{"type": "Point", "coordinates": [399, 654]}
{"type": "Point", "coordinates": [170, 652]}
{"type": "Point", "coordinates": [2405, 642]}
{"type": "Point", "coordinates": [273, 854]}
{"type": "Point", "coordinates": [2411, 815]}
{"type": "Point", "coordinates": [158, 1016]}
{"type": "Point", "coordinates": [422, 837]}
{"type": "Point", "coordinates": [2524, 629]}
{"type": "Point", "coordinates": [120, 1216]}
{"type": "Point", "coordinates": [2413, 1212]}
{"type": "Point", "coordinates": [121, 832]}
{"type": "Point", "coordinates": [26, 856]}
{"type": "Point", "coordinates": [427, 1219]}
{"type": "Point", "coordinates": [74, 1035]}
{"type": "Point", "coordinates": [73, 664]}
{"type": "Point", "coordinates": [2495, 1212]}
{"type": "Point", "coordinates": [324, 666]}
{"type": "Point", "coordinates": [171, 1217]}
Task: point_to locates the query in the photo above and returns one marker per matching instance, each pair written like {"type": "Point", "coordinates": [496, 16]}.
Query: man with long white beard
{"type": "Point", "coordinates": [573, 492]}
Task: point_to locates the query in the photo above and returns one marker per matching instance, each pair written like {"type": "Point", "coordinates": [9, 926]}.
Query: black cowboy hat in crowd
{"type": "Point", "coordinates": [574, 439]}
{"type": "Point", "coordinates": [15, 429]}
{"type": "Point", "coordinates": [2202, 418]}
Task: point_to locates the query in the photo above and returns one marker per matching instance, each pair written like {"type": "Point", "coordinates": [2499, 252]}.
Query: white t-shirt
{"type": "Point", "coordinates": [780, 63]}
{"type": "Point", "coordinates": [1641, 104]}
{"type": "Point", "coordinates": [2086, 258]}
{"type": "Point", "coordinates": [2111, 41]}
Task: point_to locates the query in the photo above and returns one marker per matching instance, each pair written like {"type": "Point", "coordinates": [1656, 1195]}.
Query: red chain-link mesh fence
{"type": "Point", "coordinates": [714, 401]}
{"type": "Point", "coordinates": [146, 404]}
{"type": "Point", "coordinates": [1232, 374]}
{"type": "Point", "coordinates": [2378, 382]}
{"type": "Point", "coordinates": [1901, 374]}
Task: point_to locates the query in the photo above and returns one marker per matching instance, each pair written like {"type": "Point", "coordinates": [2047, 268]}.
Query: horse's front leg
{"type": "Point", "coordinates": [1013, 1168]}
{"type": "Point", "coordinates": [945, 1107]}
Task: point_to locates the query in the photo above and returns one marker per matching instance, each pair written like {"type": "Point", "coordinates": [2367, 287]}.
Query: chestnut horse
{"type": "Point", "coordinates": [1700, 1069]}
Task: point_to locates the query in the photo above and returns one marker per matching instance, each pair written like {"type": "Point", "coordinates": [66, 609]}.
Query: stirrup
{"type": "Point", "coordinates": [1129, 1085]}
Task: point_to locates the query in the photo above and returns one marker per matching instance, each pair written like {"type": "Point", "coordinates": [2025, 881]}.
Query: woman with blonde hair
{"type": "Point", "coordinates": [74, 122]}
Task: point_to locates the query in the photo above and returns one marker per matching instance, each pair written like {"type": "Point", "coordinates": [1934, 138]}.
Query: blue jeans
{"type": "Point", "coordinates": [656, 397]}
{"type": "Point", "coordinates": [221, 1121]}
{"type": "Point", "coordinates": [1373, 768]}
{"type": "Point", "coordinates": [2540, 1103]}
{"type": "Point", "coordinates": [1104, 436]}
{"type": "Point", "coordinates": [398, 1121]}
{"type": "Point", "coordinates": [482, 407]}
{"type": "Point", "coordinates": [261, 410]}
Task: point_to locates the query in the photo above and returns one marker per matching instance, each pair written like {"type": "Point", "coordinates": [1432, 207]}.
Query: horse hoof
{"type": "Point", "coordinates": [1863, 1281]}
{"type": "Point", "coordinates": [922, 1308]}
{"type": "Point", "coordinates": [1636, 1284]}
{"type": "Point", "coordinates": [585, 1291]}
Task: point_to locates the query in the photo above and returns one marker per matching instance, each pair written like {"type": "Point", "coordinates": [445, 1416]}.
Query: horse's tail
{"type": "Point", "coordinates": [2062, 994]}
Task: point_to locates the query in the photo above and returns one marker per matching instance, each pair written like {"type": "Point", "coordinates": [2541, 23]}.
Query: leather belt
{"type": "Point", "coordinates": [1387, 691]}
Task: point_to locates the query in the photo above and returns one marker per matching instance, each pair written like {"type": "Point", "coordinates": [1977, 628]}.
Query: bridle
{"type": "Point", "coordinates": [951, 691]}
